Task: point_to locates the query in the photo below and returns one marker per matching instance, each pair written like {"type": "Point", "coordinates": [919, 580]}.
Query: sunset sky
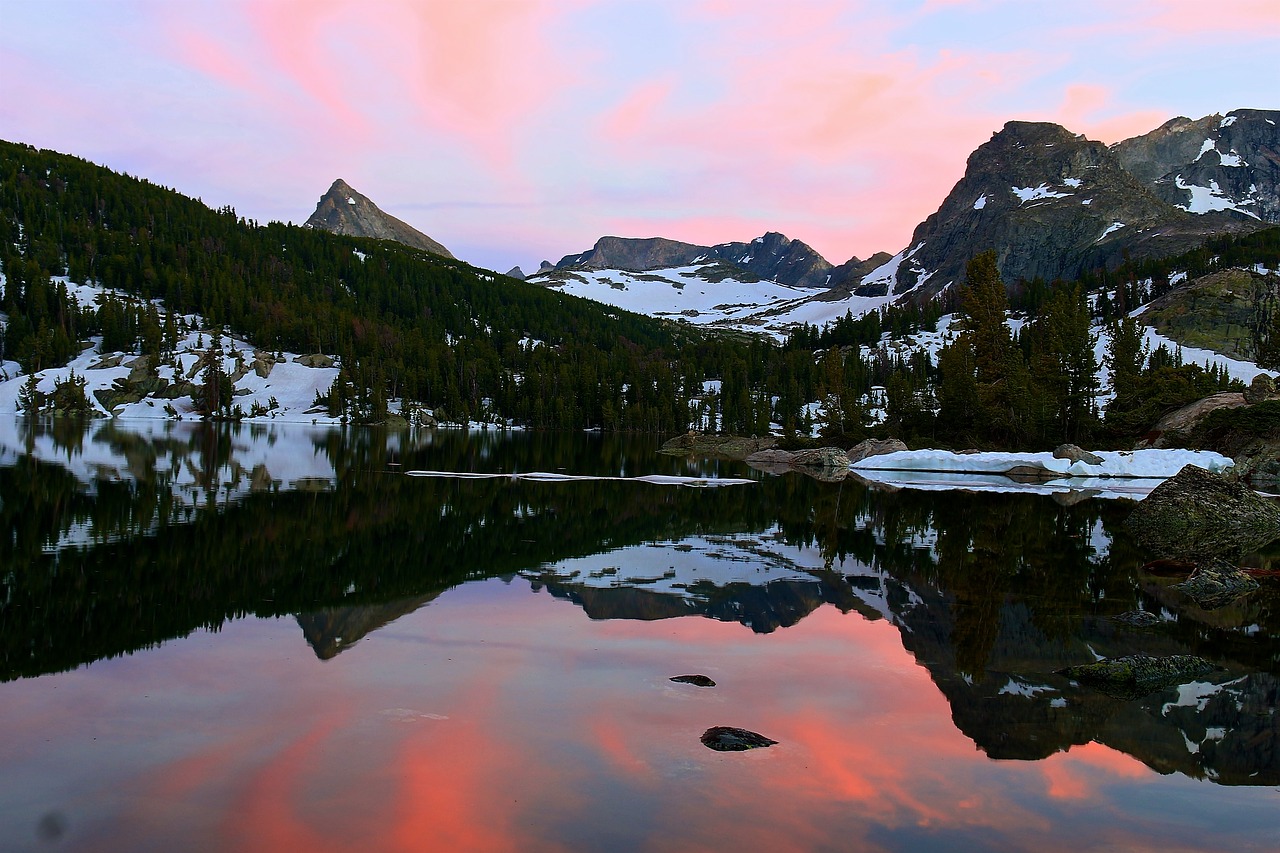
{"type": "Point", "coordinates": [517, 130]}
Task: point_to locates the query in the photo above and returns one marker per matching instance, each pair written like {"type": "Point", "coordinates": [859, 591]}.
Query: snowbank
{"type": "Point", "coordinates": [1153, 464]}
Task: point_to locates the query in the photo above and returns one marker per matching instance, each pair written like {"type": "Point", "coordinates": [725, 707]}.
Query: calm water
{"type": "Point", "coordinates": [273, 639]}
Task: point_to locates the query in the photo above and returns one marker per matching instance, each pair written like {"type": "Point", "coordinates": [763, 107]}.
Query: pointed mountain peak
{"type": "Point", "coordinates": [343, 210]}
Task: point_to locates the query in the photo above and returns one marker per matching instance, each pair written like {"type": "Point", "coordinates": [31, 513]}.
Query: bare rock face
{"type": "Point", "coordinates": [1051, 204]}
{"type": "Point", "coordinates": [342, 210]}
{"type": "Point", "coordinates": [1185, 418]}
{"type": "Point", "coordinates": [1198, 514]}
{"type": "Point", "coordinates": [1216, 161]}
{"type": "Point", "coordinates": [772, 256]}
{"type": "Point", "coordinates": [1075, 454]}
{"type": "Point", "coordinates": [874, 447]}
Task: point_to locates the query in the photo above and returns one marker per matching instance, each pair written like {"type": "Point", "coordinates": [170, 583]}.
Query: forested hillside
{"type": "Point", "coordinates": [404, 322]}
{"type": "Point", "coordinates": [471, 344]}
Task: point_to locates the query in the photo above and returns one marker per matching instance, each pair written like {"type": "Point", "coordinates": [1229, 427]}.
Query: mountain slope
{"type": "Point", "coordinates": [1229, 162]}
{"type": "Point", "coordinates": [342, 210]}
{"type": "Point", "coordinates": [1052, 205]}
{"type": "Point", "coordinates": [772, 257]}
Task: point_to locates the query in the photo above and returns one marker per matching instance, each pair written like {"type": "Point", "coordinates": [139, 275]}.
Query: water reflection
{"type": "Point", "coordinates": [437, 670]}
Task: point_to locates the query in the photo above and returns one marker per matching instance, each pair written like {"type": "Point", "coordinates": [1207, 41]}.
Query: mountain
{"type": "Point", "coordinates": [771, 257]}
{"type": "Point", "coordinates": [342, 210]}
{"type": "Point", "coordinates": [1229, 162]}
{"type": "Point", "coordinates": [1052, 205]}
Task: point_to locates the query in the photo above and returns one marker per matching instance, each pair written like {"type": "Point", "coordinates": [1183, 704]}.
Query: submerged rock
{"type": "Point", "coordinates": [1076, 454]}
{"type": "Point", "coordinates": [874, 447]}
{"type": "Point", "coordinates": [729, 739]}
{"type": "Point", "coordinates": [696, 680]}
{"type": "Point", "coordinates": [1137, 675]}
{"type": "Point", "coordinates": [1138, 618]}
{"type": "Point", "coordinates": [1216, 583]}
{"type": "Point", "coordinates": [1199, 514]}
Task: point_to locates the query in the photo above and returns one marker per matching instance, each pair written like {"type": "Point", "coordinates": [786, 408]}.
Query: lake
{"type": "Point", "coordinates": [273, 638]}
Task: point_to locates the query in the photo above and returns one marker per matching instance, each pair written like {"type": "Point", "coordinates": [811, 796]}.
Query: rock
{"type": "Point", "coordinates": [263, 363]}
{"type": "Point", "coordinates": [1075, 454]}
{"type": "Point", "coordinates": [771, 457]}
{"type": "Point", "coordinates": [1137, 675]}
{"type": "Point", "coordinates": [1216, 583]}
{"type": "Point", "coordinates": [1075, 496]}
{"type": "Point", "coordinates": [316, 360]}
{"type": "Point", "coordinates": [178, 389]}
{"type": "Point", "coordinates": [1259, 462]}
{"type": "Point", "coordinates": [1262, 388]}
{"type": "Point", "coordinates": [1197, 514]}
{"type": "Point", "coordinates": [107, 361]}
{"type": "Point", "coordinates": [874, 447]}
{"type": "Point", "coordinates": [1184, 419]}
{"type": "Point", "coordinates": [734, 447]}
{"type": "Point", "coordinates": [1031, 474]}
{"type": "Point", "coordinates": [342, 210]}
{"type": "Point", "coordinates": [728, 739]}
{"type": "Point", "coordinates": [821, 457]}
{"type": "Point", "coordinates": [1138, 618]}
{"type": "Point", "coordinates": [696, 680]}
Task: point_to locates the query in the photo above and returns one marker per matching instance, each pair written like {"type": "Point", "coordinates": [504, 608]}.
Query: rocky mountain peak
{"type": "Point", "coordinates": [772, 256]}
{"type": "Point", "coordinates": [342, 210]}
{"type": "Point", "coordinates": [1051, 204]}
{"type": "Point", "coordinates": [1216, 163]}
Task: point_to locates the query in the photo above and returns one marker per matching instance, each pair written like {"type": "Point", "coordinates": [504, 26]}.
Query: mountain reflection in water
{"type": "Point", "coordinates": [441, 689]}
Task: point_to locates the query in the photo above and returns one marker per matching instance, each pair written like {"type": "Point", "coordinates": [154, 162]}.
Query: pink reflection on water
{"type": "Point", "coordinates": [494, 719]}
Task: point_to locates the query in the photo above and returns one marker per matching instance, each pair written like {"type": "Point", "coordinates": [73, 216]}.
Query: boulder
{"type": "Point", "coordinates": [1262, 388]}
{"type": "Point", "coordinates": [1184, 419]}
{"type": "Point", "coordinates": [771, 457]}
{"type": "Point", "coordinates": [315, 360]}
{"type": "Point", "coordinates": [874, 447]}
{"type": "Point", "coordinates": [1259, 462]}
{"type": "Point", "coordinates": [107, 361]}
{"type": "Point", "coordinates": [1138, 618]}
{"type": "Point", "coordinates": [695, 680]}
{"type": "Point", "coordinates": [1216, 583]}
{"type": "Point", "coordinates": [1031, 474]}
{"type": "Point", "coordinates": [263, 362]}
{"type": "Point", "coordinates": [821, 457]}
{"type": "Point", "coordinates": [734, 447]}
{"type": "Point", "coordinates": [1075, 454]}
{"type": "Point", "coordinates": [1197, 514]}
{"type": "Point", "coordinates": [729, 739]}
{"type": "Point", "coordinates": [1138, 675]}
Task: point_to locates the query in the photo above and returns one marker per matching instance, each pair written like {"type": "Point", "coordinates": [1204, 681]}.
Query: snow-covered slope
{"type": "Point", "coordinates": [707, 293]}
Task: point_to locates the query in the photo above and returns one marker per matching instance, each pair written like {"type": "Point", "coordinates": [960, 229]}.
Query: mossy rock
{"type": "Point", "coordinates": [1139, 675]}
{"type": "Point", "coordinates": [1197, 514]}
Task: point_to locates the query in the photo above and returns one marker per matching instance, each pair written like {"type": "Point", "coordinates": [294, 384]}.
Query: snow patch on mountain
{"type": "Point", "coordinates": [1210, 198]}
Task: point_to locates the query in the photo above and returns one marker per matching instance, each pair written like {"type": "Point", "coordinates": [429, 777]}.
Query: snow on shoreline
{"type": "Point", "coordinates": [1128, 474]}
{"type": "Point", "coordinates": [1144, 464]}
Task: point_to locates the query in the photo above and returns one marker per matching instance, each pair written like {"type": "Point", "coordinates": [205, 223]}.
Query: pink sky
{"type": "Point", "coordinates": [516, 130]}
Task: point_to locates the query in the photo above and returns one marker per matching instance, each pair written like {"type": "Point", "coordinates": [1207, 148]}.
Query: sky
{"type": "Point", "coordinates": [517, 130]}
